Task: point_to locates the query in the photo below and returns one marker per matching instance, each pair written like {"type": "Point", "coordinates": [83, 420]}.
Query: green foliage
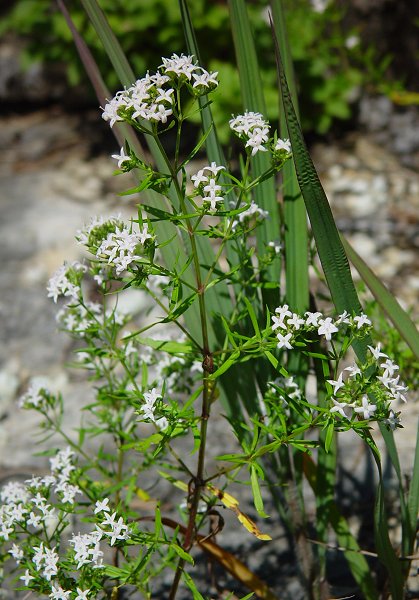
{"type": "Point", "coordinates": [201, 250]}
{"type": "Point", "coordinates": [329, 72]}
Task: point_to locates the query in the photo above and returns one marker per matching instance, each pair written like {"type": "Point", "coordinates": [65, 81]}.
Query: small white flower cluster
{"type": "Point", "coordinates": [252, 128]}
{"type": "Point", "coordinates": [34, 397]}
{"type": "Point", "coordinates": [291, 390]}
{"type": "Point", "coordinates": [79, 318]}
{"type": "Point", "coordinates": [184, 68]}
{"type": "Point", "coordinates": [289, 323]}
{"type": "Point", "coordinates": [66, 281]}
{"type": "Point", "coordinates": [205, 182]}
{"type": "Point", "coordinates": [348, 395]}
{"type": "Point", "coordinates": [61, 468]}
{"type": "Point", "coordinates": [120, 247]}
{"type": "Point", "coordinates": [282, 145]}
{"type": "Point", "coordinates": [149, 407]}
{"type": "Point", "coordinates": [114, 245]}
{"type": "Point", "coordinates": [151, 98]}
{"type": "Point", "coordinates": [87, 549]}
{"type": "Point", "coordinates": [118, 529]}
{"type": "Point", "coordinates": [24, 504]}
{"type": "Point", "coordinates": [46, 561]}
{"type": "Point", "coordinates": [319, 6]}
{"type": "Point", "coordinates": [252, 213]}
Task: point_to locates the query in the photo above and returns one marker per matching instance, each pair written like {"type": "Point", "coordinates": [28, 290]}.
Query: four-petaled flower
{"type": "Point", "coordinates": [121, 157]}
{"type": "Point", "coordinates": [284, 341]}
{"type": "Point", "coordinates": [327, 328]}
{"type": "Point", "coordinates": [367, 409]}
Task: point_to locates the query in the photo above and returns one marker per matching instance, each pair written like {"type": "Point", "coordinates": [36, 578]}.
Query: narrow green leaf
{"type": "Point", "coordinates": [295, 216]}
{"type": "Point", "coordinates": [257, 496]}
{"type": "Point", "coordinates": [385, 550]}
{"type": "Point", "coordinates": [400, 319]}
{"type": "Point", "coordinates": [253, 317]}
{"type": "Point", "coordinates": [167, 346]}
{"type": "Point", "coordinates": [413, 497]}
{"type": "Point", "coordinates": [329, 246]}
{"type": "Point", "coordinates": [357, 562]}
{"type": "Point", "coordinates": [408, 527]}
{"type": "Point", "coordinates": [182, 553]}
{"type": "Point", "coordinates": [253, 99]}
{"type": "Point", "coordinates": [226, 365]}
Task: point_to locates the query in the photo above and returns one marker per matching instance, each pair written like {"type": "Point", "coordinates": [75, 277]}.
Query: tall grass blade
{"type": "Point", "coordinates": [220, 298]}
{"type": "Point", "coordinates": [400, 319]}
{"type": "Point", "coordinates": [253, 99]}
{"type": "Point", "coordinates": [413, 496]}
{"type": "Point", "coordinates": [357, 562]}
{"type": "Point", "coordinates": [237, 391]}
{"type": "Point", "coordinates": [295, 216]}
{"type": "Point", "coordinates": [122, 131]}
{"type": "Point", "coordinates": [408, 527]}
{"type": "Point", "coordinates": [213, 147]}
{"type": "Point", "coordinates": [384, 548]}
{"type": "Point", "coordinates": [329, 246]}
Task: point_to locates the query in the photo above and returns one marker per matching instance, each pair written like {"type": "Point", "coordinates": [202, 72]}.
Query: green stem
{"type": "Point", "coordinates": [197, 483]}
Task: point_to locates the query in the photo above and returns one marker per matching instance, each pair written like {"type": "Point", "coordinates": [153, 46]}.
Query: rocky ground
{"type": "Point", "coordinates": [51, 184]}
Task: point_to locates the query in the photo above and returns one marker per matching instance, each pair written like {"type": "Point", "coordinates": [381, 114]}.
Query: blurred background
{"type": "Point", "coordinates": [357, 67]}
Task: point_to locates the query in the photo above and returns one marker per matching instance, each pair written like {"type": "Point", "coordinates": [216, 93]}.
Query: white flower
{"type": "Point", "coordinates": [326, 328]}
{"type": "Point", "coordinates": [119, 248]}
{"type": "Point", "coordinates": [361, 320]}
{"type": "Point", "coordinates": [17, 553]}
{"type": "Point", "coordinates": [82, 594]}
{"type": "Point", "coordinates": [393, 420]}
{"type": "Point", "coordinates": [165, 95]}
{"type": "Point", "coordinates": [343, 318]}
{"type": "Point", "coordinates": [14, 492]}
{"type": "Point", "coordinates": [213, 168]}
{"type": "Point", "coordinates": [87, 548]}
{"type": "Point", "coordinates": [60, 284]}
{"type": "Point", "coordinates": [34, 520]}
{"type": "Point", "coordinates": [389, 367]}
{"type": "Point", "coordinates": [353, 370]}
{"type": "Point", "coordinates": [313, 318]}
{"type": "Point", "coordinates": [252, 128]}
{"type": "Point", "coordinates": [339, 407]}
{"type": "Point", "coordinates": [26, 578]}
{"type": "Point", "coordinates": [152, 396]}
{"type": "Point", "coordinates": [283, 311]}
{"type": "Point", "coordinates": [336, 384]}
{"type": "Point", "coordinates": [376, 352]}
{"type": "Point", "coordinates": [162, 423]}
{"type": "Point", "coordinates": [199, 178]}
{"type": "Point", "coordinates": [121, 157]}
{"type": "Point", "coordinates": [276, 246]}
{"type": "Point", "coordinates": [119, 531]}
{"type": "Point", "coordinates": [102, 506]}
{"type": "Point", "coordinates": [252, 211]}
{"type": "Point", "coordinates": [284, 341]}
{"type": "Point", "coordinates": [319, 5]}
{"type": "Point", "coordinates": [205, 79]}
{"type": "Point", "coordinates": [179, 65]}
{"type": "Point", "coordinates": [351, 41]}
{"type": "Point", "coordinates": [58, 593]}
{"type": "Point", "coordinates": [367, 409]}
{"type": "Point", "coordinates": [33, 397]}
{"type": "Point", "coordinates": [283, 145]}
{"type": "Point", "coordinates": [212, 188]}
{"type": "Point", "coordinates": [295, 321]}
